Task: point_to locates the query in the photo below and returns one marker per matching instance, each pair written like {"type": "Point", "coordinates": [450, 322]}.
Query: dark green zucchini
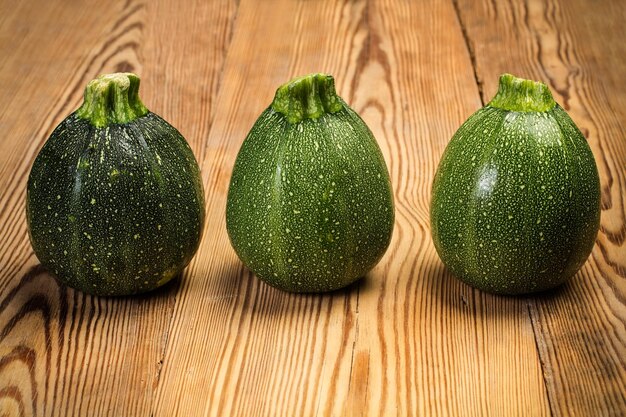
{"type": "Point", "coordinates": [516, 198]}
{"type": "Point", "coordinates": [115, 203]}
{"type": "Point", "coordinates": [310, 204]}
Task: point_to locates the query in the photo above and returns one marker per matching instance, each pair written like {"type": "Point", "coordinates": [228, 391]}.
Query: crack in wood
{"type": "Point", "coordinates": [470, 50]}
{"type": "Point", "coordinates": [530, 305]}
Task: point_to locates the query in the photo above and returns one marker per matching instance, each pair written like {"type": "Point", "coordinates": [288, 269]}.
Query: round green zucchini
{"type": "Point", "coordinates": [115, 204]}
{"type": "Point", "coordinates": [310, 205]}
{"type": "Point", "coordinates": [516, 198]}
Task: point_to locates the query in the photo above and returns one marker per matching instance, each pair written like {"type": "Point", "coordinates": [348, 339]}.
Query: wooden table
{"type": "Point", "coordinates": [409, 339]}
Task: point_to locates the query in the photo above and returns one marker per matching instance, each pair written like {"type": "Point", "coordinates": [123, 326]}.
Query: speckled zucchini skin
{"type": "Point", "coordinates": [310, 205]}
{"type": "Point", "coordinates": [516, 200]}
{"type": "Point", "coordinates": [115, 210]}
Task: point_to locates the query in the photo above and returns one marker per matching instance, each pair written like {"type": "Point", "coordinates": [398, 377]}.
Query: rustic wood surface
{"type": "Point", "coordinates": [408, 339]}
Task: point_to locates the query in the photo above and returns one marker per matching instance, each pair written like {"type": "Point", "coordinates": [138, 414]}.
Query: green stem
{"type": "Point", "coordinates": [518, 94]}
{"type": "Point", "coordinates": [112, 99]}
{"type": "Point", "coordinates": [307, 97]}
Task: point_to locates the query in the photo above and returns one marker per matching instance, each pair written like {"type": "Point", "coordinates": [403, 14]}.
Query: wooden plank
{"type": "Point", "coordinates": [408, 339]}
{"type": "Point", "coordinates": [576, 48]}
{"type": "Point", "coordinates": [63, 353]}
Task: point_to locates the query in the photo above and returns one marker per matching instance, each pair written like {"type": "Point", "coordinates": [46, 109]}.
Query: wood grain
{"type": "Point", "coordinates": [85, 346]}
{"type": "Point", "coordinates": [317, 346]}
{"type": "Point", "coordinates": [581, 330]}
{"type": "Point", "coordinates": [406, 340]}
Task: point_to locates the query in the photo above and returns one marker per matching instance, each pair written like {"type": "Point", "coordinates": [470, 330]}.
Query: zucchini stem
{"type": "Point", "coordinates": [520, 95]}
{"type": "Point", "coordinates": [112, 99]}
{"type": "Point", "coordinates": [307, 97]}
